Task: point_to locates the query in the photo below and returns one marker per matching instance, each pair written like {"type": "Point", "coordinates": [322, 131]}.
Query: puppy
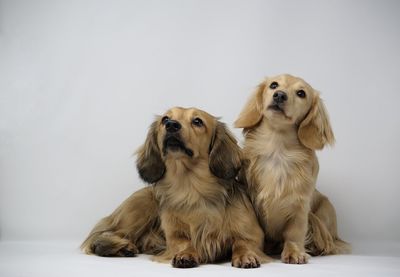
{"type": "Point", "coordinates": [195, 211]}
{"type": "Point", "coordinates": [284, 123]}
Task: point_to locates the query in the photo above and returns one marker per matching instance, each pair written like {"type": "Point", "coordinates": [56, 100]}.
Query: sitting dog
{"type": "Point", "coordinates": [195, 211]}
{"type": "Point", "coordinates": [284, 123]}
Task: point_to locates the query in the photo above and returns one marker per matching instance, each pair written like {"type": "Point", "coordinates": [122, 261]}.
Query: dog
{"type": "Point", "coordinates": [195, 211]}
{"type": "Point", "coordinates": [284, 122]}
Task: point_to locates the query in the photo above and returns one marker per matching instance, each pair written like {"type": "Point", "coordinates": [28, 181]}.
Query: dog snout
{"type": "Point", "coordinates": [172, 126]}
{"type": "Point", "coordinates": [280, 97]}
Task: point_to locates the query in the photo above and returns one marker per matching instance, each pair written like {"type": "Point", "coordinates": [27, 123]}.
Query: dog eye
{"type": "Point", "coordinates": [301, 93]}
{"type": "Point", "coordinates": [164, 120]}
{"type": "Point", "coordinates": [197, 122]}
{"type": "Point", "coordinates": [273, 85]}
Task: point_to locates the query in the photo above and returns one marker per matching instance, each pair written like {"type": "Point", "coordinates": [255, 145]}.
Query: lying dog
{"type": "Point", "coordinates": [195, 211]}
{"type": "Point", "coordinates": [284, 123]}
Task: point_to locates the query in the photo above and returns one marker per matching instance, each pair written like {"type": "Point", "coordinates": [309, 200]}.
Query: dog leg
{"type": "Point", "coordinates": [110, 244]}
{"type": "Point", "coordinates": [132, 228]}
{"type": "Point", "coordinates": [180, 254]}
{"type": "Point", "coordinates": [322, 234]}
{"type": "Point", "coordinates": [243, 255]}
{"type": "Point", "coordinates": [247, 235]}
{"type": "Point", "coordinates": [180, 250]}
{"type": "Point", "coordinates": [183, 253]}
{"type": "Point", "coordinates": [294, 238]}
{"type": "Point", "coordinates": [186, 258]}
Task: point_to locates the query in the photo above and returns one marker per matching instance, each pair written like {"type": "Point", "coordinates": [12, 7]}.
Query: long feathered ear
{"type": "Point", "coordinates": [150, 166]}
{"type": "Point", "coordinates": [315, 130]}
{"type": "Point", "coordinates": [253, 110]}
{"type": "Point", "coordinates": [225, 154]}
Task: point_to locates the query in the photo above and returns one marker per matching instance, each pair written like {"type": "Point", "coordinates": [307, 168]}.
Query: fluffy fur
{"type": "Point", "coordinates": [195, 211]}
{"type": "Point", "coordinates": [284, 122]}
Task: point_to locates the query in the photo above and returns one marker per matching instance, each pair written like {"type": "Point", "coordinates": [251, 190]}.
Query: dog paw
{"type": "Point", "coordinates": [107, 248]}
{"type": "Point", "coordinates": [185, 260]}
{"type": "Point", "coordinates": [246, 261]}
{"type": "Point", "coordinates": [294, 257]}
{"type": "Point", "coordinates": [128, 251]}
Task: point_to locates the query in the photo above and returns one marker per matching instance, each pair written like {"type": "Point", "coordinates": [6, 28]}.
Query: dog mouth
{"type": "Point", "coordinates": [174, 143]}
{"type": "Point", "coordinates": [277, 108]}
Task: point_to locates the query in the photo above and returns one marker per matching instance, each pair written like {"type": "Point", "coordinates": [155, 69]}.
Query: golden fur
{"type": "Point", "coordinates": [282, 167]}
{"type": "Point", "coordinates": [195, 211]}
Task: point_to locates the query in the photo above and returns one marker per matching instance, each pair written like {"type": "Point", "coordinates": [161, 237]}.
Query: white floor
{"type": "Point", "coordinates": [59, 259]}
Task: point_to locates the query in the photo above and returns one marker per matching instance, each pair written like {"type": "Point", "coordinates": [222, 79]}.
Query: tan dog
{"type": "Point", "coordinates": [195, 212]}
{"type": "Point", "coordinates": [284, 123]}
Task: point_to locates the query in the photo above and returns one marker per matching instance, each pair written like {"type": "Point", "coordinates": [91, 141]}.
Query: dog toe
{"type": "Point", "coordinates": [245, 261]}
{"type": "Point", "coordinates": [185, 261]}
{"type": "Point", "coordinates": [295, 257]}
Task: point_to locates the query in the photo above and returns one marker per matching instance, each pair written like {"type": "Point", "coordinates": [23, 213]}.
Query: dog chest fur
{"type": "Point", "coordinates": [281, 176]}
{"type": "Point", "coordinates": [195, 188]}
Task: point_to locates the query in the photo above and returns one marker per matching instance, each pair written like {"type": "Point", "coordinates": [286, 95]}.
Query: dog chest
{"type": "Point", "coordinates": [280, 178]}
{"type": "Point", "coordinates": [280, 167]}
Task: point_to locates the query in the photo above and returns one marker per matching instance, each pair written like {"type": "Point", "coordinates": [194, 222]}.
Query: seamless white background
{"type": "Point", "coordinates": [80, 82]}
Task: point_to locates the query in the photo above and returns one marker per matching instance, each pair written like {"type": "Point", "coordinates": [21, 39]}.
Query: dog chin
{"type": "Point", "coordinates": [175, 145]}
{"type": "Point", "coordinates": [276, 108]}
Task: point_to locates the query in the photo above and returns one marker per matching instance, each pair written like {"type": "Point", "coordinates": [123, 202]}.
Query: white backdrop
{"type": "Point", "coordinates": [80, 81]}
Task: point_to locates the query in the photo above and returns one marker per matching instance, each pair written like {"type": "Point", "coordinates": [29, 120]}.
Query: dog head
{"type": "Point", "coordinates": [286, 101]}
{"type": "Point", "coordinates": [188, 135]}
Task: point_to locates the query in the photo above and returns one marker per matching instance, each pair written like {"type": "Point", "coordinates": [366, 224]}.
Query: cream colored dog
{"type": "Point", "coordinates": [284, 123]}
{"type": "Point", "coordinates": [195, 211]}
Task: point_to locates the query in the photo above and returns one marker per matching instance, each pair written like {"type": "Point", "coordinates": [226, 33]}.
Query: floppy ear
{"type": "Point", "coordinates": [315, 130]}
{"type": "Point", "coordinates": [253, 110]}
{"type": "Point", "coordinates": [150, 166]}
{"type": "Point", "coordinates": [225, 154]}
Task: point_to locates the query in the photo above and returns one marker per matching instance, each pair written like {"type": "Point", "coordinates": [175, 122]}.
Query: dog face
{"type": "Point", "coordinates": [286, 101]}
{"type": "Point", "coordinates": [185, 133]}
{"type": "Point", "coordinates": [188, 135]}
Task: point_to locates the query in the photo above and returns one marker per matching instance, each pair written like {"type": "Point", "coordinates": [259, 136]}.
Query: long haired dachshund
{"type": "Point", "coordinates": [195, 211]}
{"type": "Point", "coordinates": [284, 123]}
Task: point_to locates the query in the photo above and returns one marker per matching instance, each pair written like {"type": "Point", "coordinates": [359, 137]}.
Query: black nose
{"type": "Point", "coordinates": [279, 97]}
{"type": "Point", "coordinates": [172, 126]}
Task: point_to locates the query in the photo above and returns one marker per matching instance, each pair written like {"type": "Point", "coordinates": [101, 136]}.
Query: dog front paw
{"type": "Point", "coordinates": [185, 260]}
{"type": "Point", "coordinates": [128, 251]}
{"type": "Point", "coordinates": [294, 257]}
{"type": "Point", "coordinates": [111, 247]}
{"type": "Point", "coordinates": [246, 261]}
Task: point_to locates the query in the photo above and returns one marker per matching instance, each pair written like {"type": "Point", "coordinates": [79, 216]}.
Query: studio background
{"type": "Point", "coordinates": [81, 81]}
